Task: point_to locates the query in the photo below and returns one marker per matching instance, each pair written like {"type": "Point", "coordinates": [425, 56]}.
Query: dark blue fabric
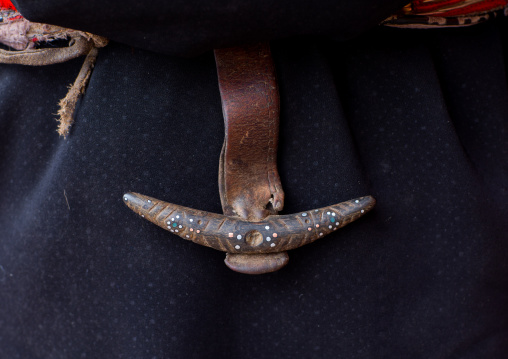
{"type": "Point", "coordinates": [418, 119]}
{"type": "Point", "coordinates": [190, 27]}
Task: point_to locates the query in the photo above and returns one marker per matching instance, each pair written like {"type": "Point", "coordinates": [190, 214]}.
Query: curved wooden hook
{"type": "Point", "coordinates": [236, 236]}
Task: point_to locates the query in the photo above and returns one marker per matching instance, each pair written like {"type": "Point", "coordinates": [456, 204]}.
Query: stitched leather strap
{"type": "Point", "coordinates": [249, 183]}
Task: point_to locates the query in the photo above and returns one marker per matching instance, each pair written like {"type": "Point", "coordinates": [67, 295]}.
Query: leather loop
{"type": "Point", "coordinates": [48, 56]}
{"type": "Point", "coordinates": [249, 182]}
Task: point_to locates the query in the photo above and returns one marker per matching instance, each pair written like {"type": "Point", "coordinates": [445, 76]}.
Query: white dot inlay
{"type": "Point", "coordinates": [357, 201]}
{"type": "Point", "coordinates": [125, 198]}
{"type": "Point", "coordinates": [320, 234]}
{"type": "Point", "coordinates": [304, 214]}
{"type": "Point", "coordinates": [362, 211]}
{"type": "Point", "coordinates": [173, 218]}
{"type": "Point", "coordinates": [330, 227]}
{"type": "Point", "coordinates": [272, 245]}
{"type": "Point", "coordinates": [176, 230]}
{"type": "Point", "coordinates": [333, 214]}
{"type": "Point", "coordinates": [268, 239]}
{"type": "Point", "coordinates": [328, 213]}
{"type": "Point", "coordinates": [186, 236]}
{"type": "Point", "coordinates": [267, 227]}
{"type": "Point", "coordinates": [191, 220]}
{"type": "Point", "coordinates": [177, 216]}
{"type": "Point", "coordinates": [149, 201]}
{"type": "Point", "coordinates": [237, 246]}
{"type": "Point", "coordinates": [239, 236]}
{"type": "Point", "coordinates": [180, 226]}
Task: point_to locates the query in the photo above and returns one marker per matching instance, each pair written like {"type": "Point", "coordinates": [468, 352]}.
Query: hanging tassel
{"type": "Point", "coordinates": [68, 103]}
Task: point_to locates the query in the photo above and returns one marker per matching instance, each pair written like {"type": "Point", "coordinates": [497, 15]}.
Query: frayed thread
{"type": "Point", "coordinates": [68, 103]}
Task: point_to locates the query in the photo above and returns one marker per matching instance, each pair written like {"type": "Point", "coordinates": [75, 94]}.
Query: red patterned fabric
{"type": "Point", "coordinates": [447, 8]}
{"type": "Point", "coordinates": [6, 4]}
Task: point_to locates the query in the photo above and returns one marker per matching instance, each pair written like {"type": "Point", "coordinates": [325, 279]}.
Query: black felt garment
{"type": "Point", "coordinates": [418, 119]}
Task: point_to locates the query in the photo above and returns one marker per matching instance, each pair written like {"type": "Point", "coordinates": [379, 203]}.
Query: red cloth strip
{"type": "Point", "coordinates": [6, 4]}
{"type": "Point", "coordinates": [461, 7]}
{"type": "Point", "coordinates": [429, 6]}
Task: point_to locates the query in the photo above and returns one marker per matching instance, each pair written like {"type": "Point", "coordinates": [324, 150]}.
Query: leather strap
{"type": "Point", "coordinates": [249, 182]}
